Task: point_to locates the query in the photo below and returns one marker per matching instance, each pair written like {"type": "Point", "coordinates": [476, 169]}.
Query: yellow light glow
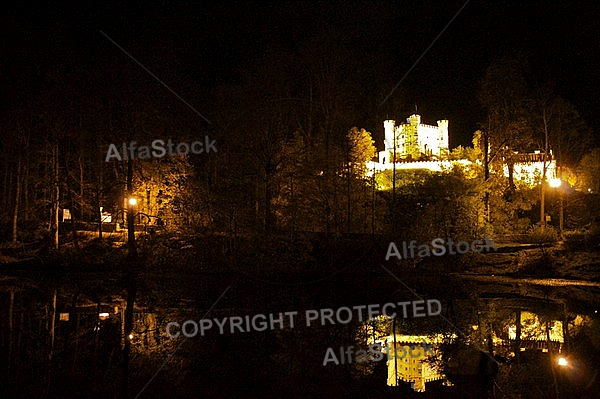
{"type": "Point", "coordinates": [103, 315]}
{"type": "Point", "coordinates": [535, 328]}
{"type": "Point", "coordinates": [132, 201]}
{"type": "Point", "coordinates": [130, 336]}
{"type": "Point", "coordinates": [562, 361]}
{"type": "Point", "coordinates": [555, 183]}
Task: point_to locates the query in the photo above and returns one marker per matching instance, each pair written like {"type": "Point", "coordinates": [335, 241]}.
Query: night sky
{"type": "Point", "coordinates": [50, 51]}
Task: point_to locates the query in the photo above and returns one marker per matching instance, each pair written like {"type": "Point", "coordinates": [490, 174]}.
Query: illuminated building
{"type": "Point", "coordinates": [419, 146]}
{"type": "Point", "coordinates": [413, 139]}
{"type": "Point", "coordinates": [528, 167]}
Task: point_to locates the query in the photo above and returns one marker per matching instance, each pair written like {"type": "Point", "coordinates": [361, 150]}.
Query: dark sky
{"type": "Point", "coordinates": [195, 48]}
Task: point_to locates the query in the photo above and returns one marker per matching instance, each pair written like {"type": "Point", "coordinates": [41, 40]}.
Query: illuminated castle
{"type": "Point", "coordinates": [419, 146]}
{"type": "Point", "coordinates": [413, 140]}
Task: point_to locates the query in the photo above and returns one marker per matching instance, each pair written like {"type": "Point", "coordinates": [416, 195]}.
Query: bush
{"type": "Point", "coordinates": [593, 237]}
{"type": "Point", "coordinates": [542, 235]}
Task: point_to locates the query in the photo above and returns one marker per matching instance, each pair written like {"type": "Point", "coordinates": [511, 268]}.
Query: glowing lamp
{"type": "Point", "coordinates": [555, 183]}
{"type": "Point", "coordinates": [562, 362]}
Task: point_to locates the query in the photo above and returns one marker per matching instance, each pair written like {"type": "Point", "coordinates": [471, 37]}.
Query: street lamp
{"type": "Point", "coordinates": [132, 202]}
{"type": "Point", "coordinates": [562, 362]}
{"type": "Point", "coordinates": [555, 182]}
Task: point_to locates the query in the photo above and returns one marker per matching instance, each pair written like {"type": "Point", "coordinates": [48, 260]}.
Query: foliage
{"type": "Point", "coordinates": [542, 235]}
{"type": "Point", "coordinates": [569, 137]}
{"type": "Point", "coordinates": [589, 172]}
{"type": "Point", "coordinates": [361, 150]}
{"type": "Point", "coordinates": [522, 117]}
{"type": "Point", "coordinates": [162, 189]}
{"type": "Point", "coordinates": [461, 152]}
{"type": "Point", "coordinates": [504, 94]}
{"type": "Point", "coordinates": [509, 215]}
{"type": "Point", "coordinates": [433, 204]}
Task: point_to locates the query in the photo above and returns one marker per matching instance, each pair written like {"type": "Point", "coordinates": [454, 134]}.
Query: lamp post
{"type": "Point", "coordinates": [556, 183]}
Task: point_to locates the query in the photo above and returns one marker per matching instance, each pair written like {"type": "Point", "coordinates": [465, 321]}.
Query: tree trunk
{"type": "Point", "coordinates": [99, 190]}
{"type": "Point", "coordinates": [56, 197]}
{"type": "Point", "coordinates": [348, 172]}
{"type": "Point", "coordinates": [17, 200]}
{"type": "Point", "coordinates": [132, 249]}
{"type": "Point", "coordinates": [486, 173]}
{"type": "Point", "coordinates": [373, 207]}
{"type": "Point", "coordinates": [512, 188]}
{"type": "Point", "coordinates": [517, 346]}
{"type": "Point", "coordinates": [72, 202]}
{"type": "Point", "coordinates": [81, 190]}
{"type": "Point", "coordinates": [25, 189]}
{"type": "Point", "coordinates": [543, 185]}
{"type": "Point", "coordinates": [394, 188]}
{"type": "Point", "coordinates": [6, 194]}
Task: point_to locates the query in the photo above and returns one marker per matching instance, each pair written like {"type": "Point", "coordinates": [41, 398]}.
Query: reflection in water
{"type": "Point", "coordinates": [534, 329]}
{"type": "Point", "coordinates": [510, 344]}
{"type": "Point", "coordinates": [420, 360]}
{"type": "Point", "coordinates": [411, 361]}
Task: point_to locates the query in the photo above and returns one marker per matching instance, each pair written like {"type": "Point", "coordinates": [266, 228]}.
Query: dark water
{"type": "Point", "coordinates": [241, 349]}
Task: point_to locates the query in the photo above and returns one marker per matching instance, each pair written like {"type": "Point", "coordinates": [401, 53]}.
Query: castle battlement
{"type": "Point", "coordinates": [414, 139]}
{"type": "Point", "coordinates": [428, 126]}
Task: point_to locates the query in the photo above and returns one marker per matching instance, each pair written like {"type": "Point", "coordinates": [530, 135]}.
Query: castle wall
{"type": "Point", "coordinates": [415, 138]}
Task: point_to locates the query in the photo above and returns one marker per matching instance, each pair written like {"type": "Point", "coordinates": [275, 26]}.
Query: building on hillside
{"type": "Point", "coordinates": [413, 140]}
{"type": "Point", "coordinates": [419, 146]}
{"type": "Point", "coordinates": [528, 167]}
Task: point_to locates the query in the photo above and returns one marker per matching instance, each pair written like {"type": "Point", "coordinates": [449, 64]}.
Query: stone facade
{"type": "Point", "coordinates": [413, 140]}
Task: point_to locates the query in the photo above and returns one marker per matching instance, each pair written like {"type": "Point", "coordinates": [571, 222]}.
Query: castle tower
{"type": "Point", "coordinates": [443, 137]}
{"type": "Point", "coordinates": [414, 119]}
{"type": "Point", "coordinates": [389, 128]}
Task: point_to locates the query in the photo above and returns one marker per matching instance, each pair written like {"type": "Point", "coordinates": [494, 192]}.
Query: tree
{"type": "Point", "coordinates": [558, 128]}
{"type": "Point", "coordinates": [504, 94]}
{"type": "Point", "coordinates": [589, 172]}
{"type": "Point", "coordinates": [436, 204]}
{"type": "Point", "coordinates": [570, 136]}
{"type": "Point", "coordinates": [359, 150]}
